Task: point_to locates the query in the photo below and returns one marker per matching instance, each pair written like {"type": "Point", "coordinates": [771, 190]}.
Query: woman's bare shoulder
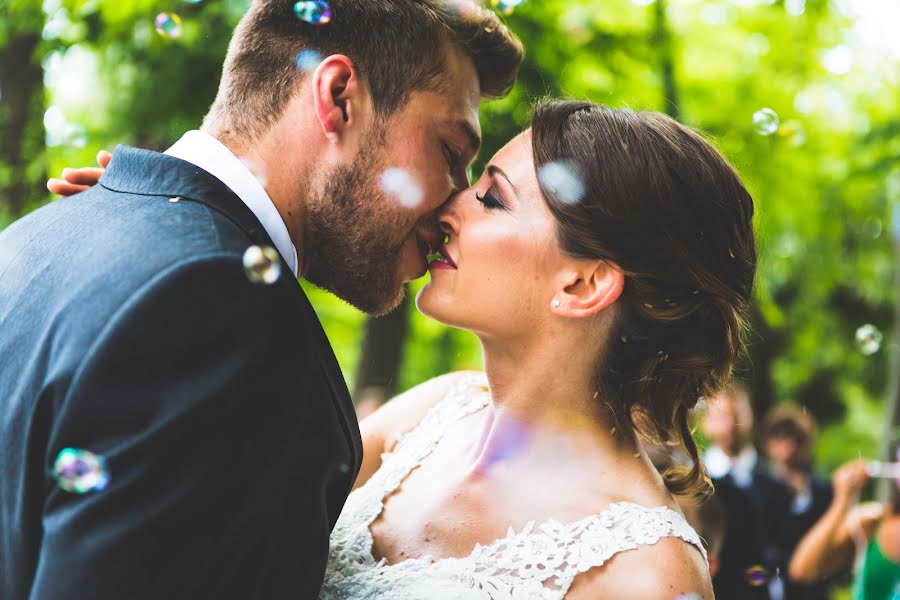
{"type": "Point", "coordinates": [383, 429]}
{"type": "Point", "coordinates": [402, 413]}
{"type": "Point", "coordinates": [670, 568]}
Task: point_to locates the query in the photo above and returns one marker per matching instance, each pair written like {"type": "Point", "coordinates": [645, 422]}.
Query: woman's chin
{"type": "Point", "coordinates": [430, 303]}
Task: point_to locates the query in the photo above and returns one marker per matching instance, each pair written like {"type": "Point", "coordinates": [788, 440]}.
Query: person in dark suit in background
{"type": "Point", "coordinates": [753, 555]}
{"type": "Point", "coordinates": [159, 356]}
{"type": "Point", "coordinates": [787, 438]}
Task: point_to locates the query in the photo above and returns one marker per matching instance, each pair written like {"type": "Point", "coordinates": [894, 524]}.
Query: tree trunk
{"type": "Point", "coordinates": [21, 120]}
{"type": "Point", "coordinates": [662, 38]}
{"type": "Point", "coordinates": [382, 354]}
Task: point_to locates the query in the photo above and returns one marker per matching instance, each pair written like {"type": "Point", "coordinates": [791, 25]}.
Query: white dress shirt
{"type": "Point", "coordinates": [718, 465]}
{"type": "Point", "coordinates": [211, 155]}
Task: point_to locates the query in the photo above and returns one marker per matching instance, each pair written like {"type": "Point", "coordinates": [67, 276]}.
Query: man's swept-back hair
{"type": "Point", "coordinates": [398, 47]}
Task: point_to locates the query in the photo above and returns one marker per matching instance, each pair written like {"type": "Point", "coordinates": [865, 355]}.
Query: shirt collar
{"type": "Point", "coordinates": [211, 155]}
{"type": "Point", "coordinates": [718, 464]}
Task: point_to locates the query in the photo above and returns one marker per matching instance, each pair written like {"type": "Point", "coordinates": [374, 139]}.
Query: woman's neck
{"type": "Point", "coordinates": [544, 402]}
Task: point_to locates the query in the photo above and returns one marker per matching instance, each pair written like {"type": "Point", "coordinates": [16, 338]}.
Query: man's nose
{"type": "Point", "coordinates": [430, 232]}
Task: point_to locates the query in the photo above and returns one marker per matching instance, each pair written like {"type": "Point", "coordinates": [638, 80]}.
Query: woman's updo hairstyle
{"type": "Point", "coordinates": [663, 204]}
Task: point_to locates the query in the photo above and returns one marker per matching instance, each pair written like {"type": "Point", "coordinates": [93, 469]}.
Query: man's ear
{"type": "Point", "coordinates": [338, 96]}
{"type": "Point", "coordinates": [588, 289]}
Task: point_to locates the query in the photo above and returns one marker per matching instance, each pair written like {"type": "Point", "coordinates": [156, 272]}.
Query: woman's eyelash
{"type": "Point", "coordinates": [490, 199]}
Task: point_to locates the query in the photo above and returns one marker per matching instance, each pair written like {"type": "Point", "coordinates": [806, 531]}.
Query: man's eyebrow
{"type": "Point", "coordinates": [494, 170]}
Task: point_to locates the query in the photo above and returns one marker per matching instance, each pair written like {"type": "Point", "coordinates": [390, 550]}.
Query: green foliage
{"type": "Point", "coordinates": [824, 184]}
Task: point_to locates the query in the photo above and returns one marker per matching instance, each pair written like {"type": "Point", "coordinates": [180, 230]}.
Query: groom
{"type": "Point", "coordinates": [154, 324]}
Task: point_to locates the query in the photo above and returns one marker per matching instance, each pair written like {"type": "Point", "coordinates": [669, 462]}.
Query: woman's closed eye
{"type": "Point", "coordinates": [490, 199]}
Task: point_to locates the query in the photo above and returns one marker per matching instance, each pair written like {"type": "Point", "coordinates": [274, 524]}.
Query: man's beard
{"type": "Point", "coordinates": [353, 236]}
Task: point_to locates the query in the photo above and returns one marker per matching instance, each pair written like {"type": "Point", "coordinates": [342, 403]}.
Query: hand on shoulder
{"type": "Point", "coordinates": [383, 429]}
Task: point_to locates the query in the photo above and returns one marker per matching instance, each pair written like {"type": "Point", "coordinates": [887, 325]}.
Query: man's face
{"type": "Point", "coordinates": [728, 422]}
{"type": "Point", "coordinates": [369, 223]}
{"type": "Point", "coordinates": [785, 451]}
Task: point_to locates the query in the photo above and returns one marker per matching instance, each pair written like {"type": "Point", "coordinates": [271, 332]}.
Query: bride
{"type": "Point", "coordinates": [605, 260]}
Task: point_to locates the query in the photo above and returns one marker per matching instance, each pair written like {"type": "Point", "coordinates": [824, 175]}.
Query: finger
{"type": "Point", "coordinates": [84, 176]}
{"type": "Point", "coordinates": [103, 158]}
{"type": "Point", "coordinates": [64, 188]}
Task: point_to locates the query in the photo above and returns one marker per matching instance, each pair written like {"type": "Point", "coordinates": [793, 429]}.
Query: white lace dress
{"type": "Point", "coordinates": [537, 563]}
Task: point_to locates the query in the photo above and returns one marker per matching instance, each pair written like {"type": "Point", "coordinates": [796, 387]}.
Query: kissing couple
{"type": "Point", "coordinates": [154, 331]}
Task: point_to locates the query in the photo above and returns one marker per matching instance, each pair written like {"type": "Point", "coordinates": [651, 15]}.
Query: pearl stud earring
{"type": "Point", "coordinates": [556, 303]}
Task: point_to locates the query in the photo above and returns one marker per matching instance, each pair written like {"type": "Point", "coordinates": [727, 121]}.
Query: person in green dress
{"type": "Point", "coordinates": [869, 531]}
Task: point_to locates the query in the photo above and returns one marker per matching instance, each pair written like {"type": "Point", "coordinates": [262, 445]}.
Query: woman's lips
{"type": "Point", "coordinates": [443, 262]}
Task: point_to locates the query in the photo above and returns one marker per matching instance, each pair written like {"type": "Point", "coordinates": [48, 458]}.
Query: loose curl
{"type": "Point", "coordinates": [666, 207]}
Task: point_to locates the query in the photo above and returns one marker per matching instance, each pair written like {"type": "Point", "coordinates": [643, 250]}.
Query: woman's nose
{"type": "Point", "coordinates": [448, 214]}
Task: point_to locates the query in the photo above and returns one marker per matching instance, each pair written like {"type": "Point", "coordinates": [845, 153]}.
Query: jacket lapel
{"type": "Point", "coordinates": [146, 173]}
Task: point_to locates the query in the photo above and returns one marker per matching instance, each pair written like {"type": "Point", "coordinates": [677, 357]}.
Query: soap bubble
{"type": "Point", "coordinates": [765, 121]}
{"type": "Point", "coordinates": [562, 180]}
{"type": "Point", "coordinates": [467, 9]}
{"type": "Point", "coordinates": [314, 12]}
{"type": "Point", "coordinates": [80, 471]}
{"type": "Point", "coordinates": [401, 186]}
{"type": "Point", "coordinates": [756, 576]}
{"type": "Point", "coordinates": [868, 339]}
{"type": "Point", "coordinates": [168, 25]}
{"type": "Point", "coordinates": [507, 6]}
{"type": "Point", "coordinates": [307, 60]}
{"type": "Point", "coordinates": [262, 264]}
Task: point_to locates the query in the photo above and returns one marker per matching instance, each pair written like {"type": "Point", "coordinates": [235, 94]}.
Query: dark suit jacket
{"type": "Point", "coordinates": [799, 523]}
{"type": "Point", "coordinates": [741, 547]}
{"type": "Point", "coordinates": [128, 328]}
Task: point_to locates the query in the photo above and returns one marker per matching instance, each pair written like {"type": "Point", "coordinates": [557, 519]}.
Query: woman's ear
{"type": "Point", "coordinates": [589, 289]}
{"type": "Point", "coordinates": [338, 96]}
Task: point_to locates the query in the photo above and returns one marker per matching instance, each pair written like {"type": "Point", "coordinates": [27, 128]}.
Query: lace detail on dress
{"type": "Point", "coordinates": [538, 563]}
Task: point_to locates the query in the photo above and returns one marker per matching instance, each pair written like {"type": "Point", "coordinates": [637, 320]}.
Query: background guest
{"type": "Point", "coordinates": [753, 547]}
{"type": "Point", "coordinates": [787, 439]}
{"type": "Point", "coordinates": [869, 532]}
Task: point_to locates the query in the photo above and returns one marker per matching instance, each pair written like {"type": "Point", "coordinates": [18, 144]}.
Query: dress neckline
{"type": "Point", "coordinates": [468, 397]}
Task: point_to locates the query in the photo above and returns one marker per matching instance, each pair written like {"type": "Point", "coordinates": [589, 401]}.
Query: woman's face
{"type": "Point", "coordinates": [504, 263]}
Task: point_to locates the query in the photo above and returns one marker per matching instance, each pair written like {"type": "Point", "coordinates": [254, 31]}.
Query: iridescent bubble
{"type": "Point", "coordinates": [507, 6]}
{"type": "Point", "coordinates": [562, 180]}
{"type": "Point", "coordinates": [168, 25]}
{"type": "Point", "coordinates": [80, 471]}
{"type": "Point", "coordinates": [868, 339]}
{"type": "Point", "coordinates": [765, 121]}
{"type": "Point", "coordinates": [467, 9]}
{"type": "Point", "coordinates": [756, 576]}
{"type": "Point", "coordinates": [314, 12]}
{"type": "Point", "coordinates": [307, 60]}
{"type": "Point", "coordinates": [400, 185]}
{"type": "Point", "coordinates": [262, 264]}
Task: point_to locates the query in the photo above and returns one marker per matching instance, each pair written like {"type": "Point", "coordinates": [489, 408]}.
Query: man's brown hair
{"type": "Point", "coordinates": [398, 47]}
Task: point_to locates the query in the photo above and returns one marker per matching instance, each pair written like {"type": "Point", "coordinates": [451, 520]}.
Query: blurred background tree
{"type": "Point", "coordinates": [823, 166]}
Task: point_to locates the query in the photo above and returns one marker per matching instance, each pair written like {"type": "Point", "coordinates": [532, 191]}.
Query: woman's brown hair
{"type": "Point", "coordinates": [665, 206]}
